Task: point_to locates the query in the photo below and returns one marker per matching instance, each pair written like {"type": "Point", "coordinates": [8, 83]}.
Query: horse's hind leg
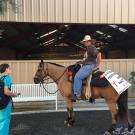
{"type": "Point", "coordinates": [113, 110]}
{"type": "Point", "coordinates": [70, 119]}
{"type": "Point", "coordinates": [130, 124]}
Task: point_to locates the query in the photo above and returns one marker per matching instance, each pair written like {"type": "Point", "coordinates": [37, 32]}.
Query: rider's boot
{"type": "Point", "coordinates": [75, 97]}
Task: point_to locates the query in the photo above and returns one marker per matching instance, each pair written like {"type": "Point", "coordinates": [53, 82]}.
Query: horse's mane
{"type": "Point", "coordinates": [56, 64]}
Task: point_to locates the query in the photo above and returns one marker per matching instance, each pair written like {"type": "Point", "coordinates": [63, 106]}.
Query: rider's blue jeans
{"type": "Point", "coordinates": [84, 72]}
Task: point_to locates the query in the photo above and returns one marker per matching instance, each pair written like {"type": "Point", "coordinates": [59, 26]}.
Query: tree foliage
{"type": "Point", "coordinates": [132, 79]}
{"type": "Point", "coordinates": [4, 5]}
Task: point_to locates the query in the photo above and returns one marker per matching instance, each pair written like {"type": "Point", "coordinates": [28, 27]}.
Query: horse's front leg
{"type": "Point", "coordinates": [71, 117]}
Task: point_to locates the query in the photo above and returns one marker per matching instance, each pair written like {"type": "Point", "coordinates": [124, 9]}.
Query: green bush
{"type": "Point", "coordinates": [3, 5]}
{"type": "Point", "coordinates": [132, 79]}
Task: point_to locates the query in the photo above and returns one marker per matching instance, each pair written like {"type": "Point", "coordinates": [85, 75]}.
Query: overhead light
{"type": "Point", "coordinates": [66, 25]}
{"type": "Point", "coordinates": [114, 26]}
{"type": "Point", "coordinates": [100, 32]}
{"type": "Point", "coordinates": [62, 45]}
{"type": "Point", "coordinates": [109, 36]}
{"type": "Point", "coordinates": [49, 33]}
{"type": "Point", "coordinates": [60, 37]}
{"type": "Point", "coordinates": [47, 42]}
{"type": "Point", "coordinates": [106, 36]}
{"type": "Point", "coordinates": [122, 29]}
{"type": "Point", "coordinates": [79, 46]}
{"type": "Point", "coordinates": [1, 33]}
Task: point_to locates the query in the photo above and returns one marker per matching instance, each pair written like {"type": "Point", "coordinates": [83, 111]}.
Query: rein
{"type": "Point", "coordinates": [42, 83]}
{"type": "Point", "coordinates": [47, 90]}
{"type": "Point", "coordinates": [60, 76]}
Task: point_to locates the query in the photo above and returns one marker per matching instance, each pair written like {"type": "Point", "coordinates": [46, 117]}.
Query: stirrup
{"type": "Point", "coordinates": [91, 100]}
{"type": "Point", "coordinates": [73, 98]}
{"type": "Point", "coordinates": [78, 97]}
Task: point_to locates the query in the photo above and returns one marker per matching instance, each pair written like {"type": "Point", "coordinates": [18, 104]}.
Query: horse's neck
{"type": "Point", "coordinates": [55, 72]}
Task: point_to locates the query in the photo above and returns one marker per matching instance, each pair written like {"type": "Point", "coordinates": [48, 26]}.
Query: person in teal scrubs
{"type": "Point", "coordinates": [5, 114]}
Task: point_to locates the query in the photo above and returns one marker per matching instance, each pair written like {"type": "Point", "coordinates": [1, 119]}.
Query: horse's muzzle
{"type": "Point", "coordinates": [36, 80]}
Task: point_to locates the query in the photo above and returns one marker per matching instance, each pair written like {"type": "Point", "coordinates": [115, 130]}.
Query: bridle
{"type": "Point", "coordinates": [44, 78]}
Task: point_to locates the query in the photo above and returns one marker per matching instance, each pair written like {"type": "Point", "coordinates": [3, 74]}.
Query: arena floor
{"type": "Point", "coordinates": [51, 123]}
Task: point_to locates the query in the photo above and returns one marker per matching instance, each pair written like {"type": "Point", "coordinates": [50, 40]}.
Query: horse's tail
{"type": "Point", "coordinates": [123, 105]}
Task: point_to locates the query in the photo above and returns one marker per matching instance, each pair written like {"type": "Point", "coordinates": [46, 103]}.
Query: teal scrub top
{"type": "Point", "coordinates": [7, 81]}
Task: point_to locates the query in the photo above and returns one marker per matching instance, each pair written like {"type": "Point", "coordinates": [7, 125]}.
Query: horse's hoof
{"type": "Point", "coordinates": [131, 128]}
{"type": "Point", "coordinates": [132, 132]}
{"type": "Point", "coordinates": [69, 125]}
{"type": "Point", "coordinates": [65, 122]}
{"type": "Point", "coordinates": [127, 133]}
{"type": "Point", "coordinates": [108, 133]}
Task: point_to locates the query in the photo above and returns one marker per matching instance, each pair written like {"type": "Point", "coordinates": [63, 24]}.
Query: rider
{"type": "Point", "coordinates": [89, 64]}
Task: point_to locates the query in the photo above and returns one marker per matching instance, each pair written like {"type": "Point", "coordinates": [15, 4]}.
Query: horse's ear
{"type": "Point", "coordinates": [42, 61]}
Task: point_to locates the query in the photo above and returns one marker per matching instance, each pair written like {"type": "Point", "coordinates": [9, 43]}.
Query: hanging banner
{"type": "Point", "coordinates": [118, 83]}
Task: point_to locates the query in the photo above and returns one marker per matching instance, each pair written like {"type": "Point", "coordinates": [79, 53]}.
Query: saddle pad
{"type": "Point", "coordinates": [74, 68]}
{"type": "Point", "coordinates": [96, 81]}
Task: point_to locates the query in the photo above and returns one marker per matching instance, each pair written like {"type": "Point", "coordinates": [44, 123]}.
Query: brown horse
{"type": "Point", "coordinates": [59, 74]}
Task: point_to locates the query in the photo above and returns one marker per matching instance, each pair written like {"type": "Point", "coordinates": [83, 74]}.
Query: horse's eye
{"type": "Point", "coordinates": [39, 70]}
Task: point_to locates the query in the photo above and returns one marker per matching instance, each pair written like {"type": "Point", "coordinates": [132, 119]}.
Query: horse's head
{"type": "Point", "coordinates": [41, 72]}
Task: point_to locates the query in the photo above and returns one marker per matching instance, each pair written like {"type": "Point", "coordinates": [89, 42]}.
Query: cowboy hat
{"type": "Point", "coordinates": [86, 38]}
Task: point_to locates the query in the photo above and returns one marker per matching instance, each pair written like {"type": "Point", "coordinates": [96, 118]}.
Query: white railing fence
{"type": "Point", "coordinates": [35, 92]}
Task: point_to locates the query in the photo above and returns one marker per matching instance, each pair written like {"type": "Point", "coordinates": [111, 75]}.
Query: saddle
{"type": "Point", "coordinates": [72, 70]}
{"type": "Point", "coordinates": [96, 80]}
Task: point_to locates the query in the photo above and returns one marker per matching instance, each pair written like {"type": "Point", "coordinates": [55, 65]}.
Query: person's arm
{"type": "Point", "coordinates": [9, 93]}
{"type": "Point", "coordinates": [98, 60]}
{"type": "Point", "coordinates": [79, 62]}
{"type": "Point", "coordinates": [7, 85]}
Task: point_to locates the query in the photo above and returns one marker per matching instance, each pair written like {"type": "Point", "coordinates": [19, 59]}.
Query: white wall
{"type": "Point", "coordinates": [73, 11]}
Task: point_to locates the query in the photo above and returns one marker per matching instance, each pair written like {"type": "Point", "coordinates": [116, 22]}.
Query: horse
{"type": "Point", "coordinates": [118, 104]}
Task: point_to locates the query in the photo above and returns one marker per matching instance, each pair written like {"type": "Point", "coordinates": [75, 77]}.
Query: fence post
{"type": "Point", "coordinates": [56, 102]}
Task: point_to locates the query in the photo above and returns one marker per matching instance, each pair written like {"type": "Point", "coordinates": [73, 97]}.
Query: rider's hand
{"type": "Point", "coordinates": [96, 68]}
{"type": "Point", "coordinates": [79, 62]}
